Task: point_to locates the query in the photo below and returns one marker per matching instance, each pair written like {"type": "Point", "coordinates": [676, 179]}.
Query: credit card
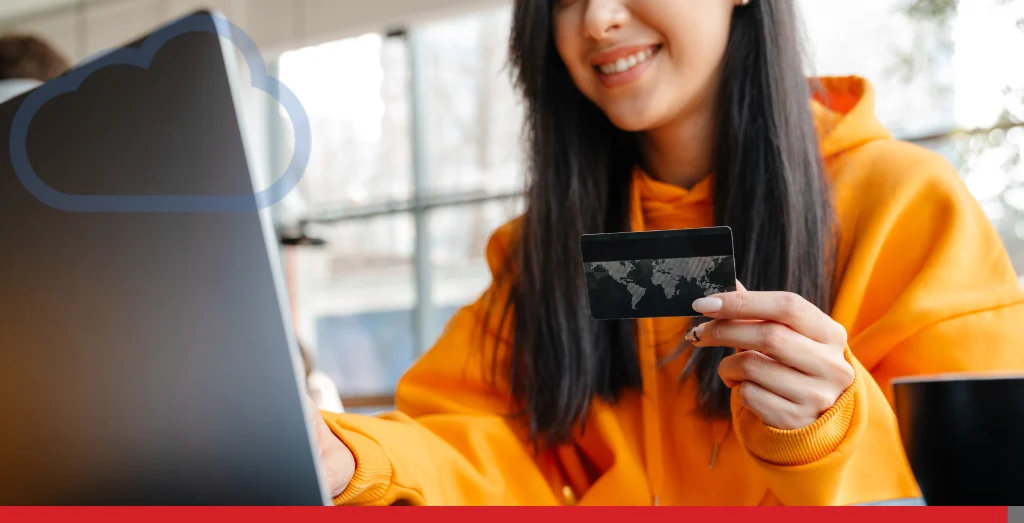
{"type": "Point", "coordinates": [658, 273]}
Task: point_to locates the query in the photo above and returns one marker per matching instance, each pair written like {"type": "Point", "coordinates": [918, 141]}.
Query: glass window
{"type": "Point", "coordinates": [355, 92]}
{"type": "Point", "coordinates": [354, 297]}
{"type": "Point", "coordinates": [458, 241]}
{"type": "Point", "coordinates": [353, 301]}
{"type": "Point", "coordinates": [474, 117]}
{"type": "Point", "coordinates": [937, 71]}
{"type": "Point", "coordinates": [869, 38]}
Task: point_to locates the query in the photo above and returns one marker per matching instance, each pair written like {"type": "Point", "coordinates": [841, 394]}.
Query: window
{"type": "Point", "coordinates": [474, 115]}
{"type": "Point", "coordinates": [459, 236]}
{"type": "Point", "coordinates": [867, 38]}
{"type": "Point", "coordinates": [946, 86]}
{"type": "Point", "coordinates": [374, 294]}
{"type": "Point", "coordinates": [354, 300]}
{"type": "Point", "coordinates": [474, 124]}
{"type": "Point", "coordinates": [355, 92]}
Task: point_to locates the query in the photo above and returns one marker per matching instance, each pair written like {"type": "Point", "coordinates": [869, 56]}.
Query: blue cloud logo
{"type": "Point", "coordinates": [142, 57]}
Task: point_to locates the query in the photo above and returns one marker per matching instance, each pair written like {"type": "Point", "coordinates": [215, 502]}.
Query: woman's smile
{"type": "Point", "coordinates": [623, 65]}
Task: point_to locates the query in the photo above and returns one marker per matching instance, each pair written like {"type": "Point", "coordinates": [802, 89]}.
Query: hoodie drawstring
{"type": "Point", "coordinates": [719, 431]}
{"type": "Point", "coordinates": [652, 418]}
{"type": "Point", "coordinates": [648, 373]}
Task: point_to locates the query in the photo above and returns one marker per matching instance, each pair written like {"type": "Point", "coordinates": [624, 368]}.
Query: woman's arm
{"type": "Point", "coordinates": [449, 442]}
{"type": "Point", "coordinates": [797, 394]}
{"type": "Point", "coordinates": [926, 288]}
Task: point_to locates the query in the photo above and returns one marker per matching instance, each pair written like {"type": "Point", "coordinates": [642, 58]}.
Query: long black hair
{"type": "Point", "coordinates": [768, 187]}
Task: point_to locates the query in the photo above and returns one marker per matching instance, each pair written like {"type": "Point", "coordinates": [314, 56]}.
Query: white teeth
{"type": "Point", "coordinates": [624, 64]}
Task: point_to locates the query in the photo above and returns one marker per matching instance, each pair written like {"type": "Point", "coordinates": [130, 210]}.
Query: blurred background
{"type": "Point", "coordinates": [416, 154]}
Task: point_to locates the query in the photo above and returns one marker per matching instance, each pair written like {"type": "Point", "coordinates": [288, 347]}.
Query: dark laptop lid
{"type": "Point", "coordinates": [145, 357]}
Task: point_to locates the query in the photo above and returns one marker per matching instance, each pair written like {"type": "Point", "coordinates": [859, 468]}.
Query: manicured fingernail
{"type": "Point", "coordinates": [707, 305]}
{"type": "Point", "coordinates": [689, 335]}
{"type": "Point", "coordinates": [693, 335]}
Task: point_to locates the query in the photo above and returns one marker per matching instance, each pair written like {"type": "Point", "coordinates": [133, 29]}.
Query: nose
{"type": "Point", "coordinates": [604, 18]}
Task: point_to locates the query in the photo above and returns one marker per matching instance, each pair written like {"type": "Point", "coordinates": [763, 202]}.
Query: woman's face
{"type": "Point", "coordinates": [644, 62]}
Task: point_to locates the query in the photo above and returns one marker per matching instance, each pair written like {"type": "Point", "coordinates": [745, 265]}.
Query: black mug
{"type": "Point", "coordinates": [964, 437]}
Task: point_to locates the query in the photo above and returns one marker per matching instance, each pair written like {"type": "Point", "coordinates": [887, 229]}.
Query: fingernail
{"type": "Point", "coordinates": [689, 335]}
{"type": "Point", "coordinates": [693, 335]}
{"type": "Point", "coordinates": [707, 305]}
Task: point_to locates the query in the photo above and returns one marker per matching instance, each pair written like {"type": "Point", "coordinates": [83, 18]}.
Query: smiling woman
{"type": "Point", "coordinates": [705, 52]}
{"type": "Point", "coordinates": [861, 258]}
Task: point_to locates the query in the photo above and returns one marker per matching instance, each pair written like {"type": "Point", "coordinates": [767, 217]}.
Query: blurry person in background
{"type": "Point", "coordinates": [26, 62]}
{"type": "Point", "coordinates": [321, 387]}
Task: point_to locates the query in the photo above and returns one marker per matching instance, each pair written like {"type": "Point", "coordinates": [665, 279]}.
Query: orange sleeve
{"type": "Point", "coordinates": [926, 288]}
{"type": "Point", "coordinates": [450, 442]}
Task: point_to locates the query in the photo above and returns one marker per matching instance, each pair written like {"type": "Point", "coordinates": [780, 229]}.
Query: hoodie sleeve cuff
{"type": "Point", "coordinates": [801, 446]}
{"type": "Point", "coordinates": [372, 476]}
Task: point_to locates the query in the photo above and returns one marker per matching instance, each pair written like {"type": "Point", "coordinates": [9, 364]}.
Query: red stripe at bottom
{"type": "Point", "coordinates": [510, 514]}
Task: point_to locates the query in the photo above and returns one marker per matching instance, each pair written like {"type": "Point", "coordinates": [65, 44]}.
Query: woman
{"type": "Point", "coordinates": [865, 259]}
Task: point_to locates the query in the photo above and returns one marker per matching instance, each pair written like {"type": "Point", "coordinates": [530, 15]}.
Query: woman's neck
{"type": "Point", "coordinates": [681, 152]}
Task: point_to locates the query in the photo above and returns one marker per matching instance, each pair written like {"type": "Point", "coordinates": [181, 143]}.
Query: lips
{"type": "Point", "coordinates": [624, 65]}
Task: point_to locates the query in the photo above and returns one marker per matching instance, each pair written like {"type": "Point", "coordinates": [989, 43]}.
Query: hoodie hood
{"type": "Point", "coordinates": [844, 114]}
{"type": "Point", "coordinates": [843, 109]}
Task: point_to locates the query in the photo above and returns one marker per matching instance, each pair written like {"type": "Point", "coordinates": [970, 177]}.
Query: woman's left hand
{"type": "Point", "coordinates": [790, 367]}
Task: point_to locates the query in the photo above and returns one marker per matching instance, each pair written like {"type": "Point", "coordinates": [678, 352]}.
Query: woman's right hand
{"type": "Point", "coordinates": [338, 462]}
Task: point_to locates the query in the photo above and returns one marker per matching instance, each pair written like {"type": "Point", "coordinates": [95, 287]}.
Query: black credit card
{"type": "Point", "coordinates": [658, 273]}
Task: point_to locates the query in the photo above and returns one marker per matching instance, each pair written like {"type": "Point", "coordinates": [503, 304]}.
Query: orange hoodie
{"type": "Point", "coordinates": [923, 286]}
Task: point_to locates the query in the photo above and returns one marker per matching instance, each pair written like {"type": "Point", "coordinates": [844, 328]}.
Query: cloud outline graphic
{"type": "Point", "coordinates": [142, 58]}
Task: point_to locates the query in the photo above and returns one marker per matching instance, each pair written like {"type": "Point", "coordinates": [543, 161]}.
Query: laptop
{"type": "Point", "coordinates": [146, 351]}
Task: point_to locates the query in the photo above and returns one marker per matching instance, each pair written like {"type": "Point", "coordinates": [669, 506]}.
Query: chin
{"type": "Point", "coordinates": [633, 113]}
{"type": "Point", "coordinates": [631, 121]}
